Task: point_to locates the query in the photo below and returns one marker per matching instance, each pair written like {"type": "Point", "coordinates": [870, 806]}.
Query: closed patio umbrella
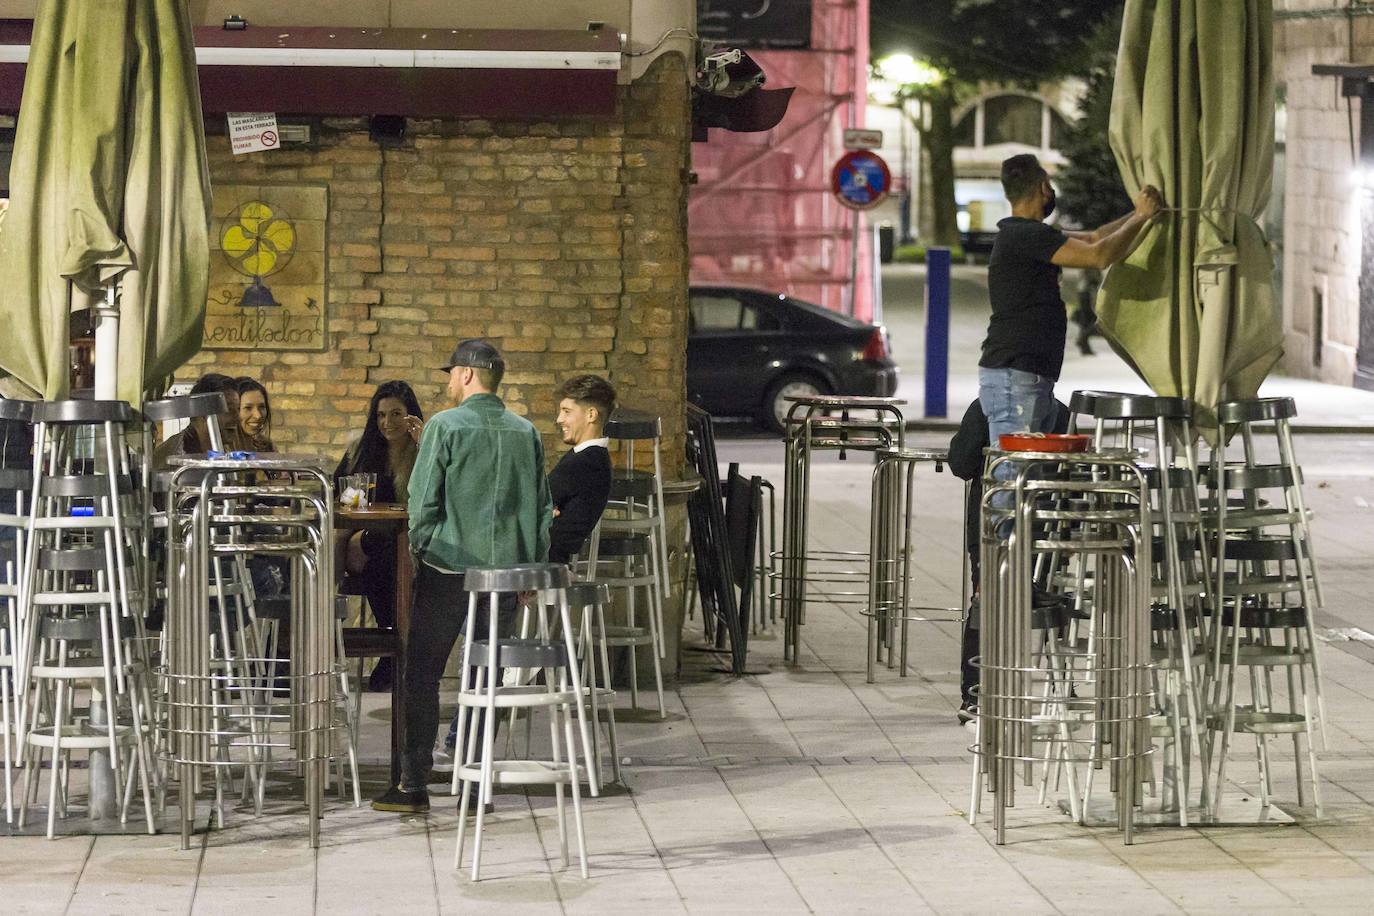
{"type": "Point", "coordinates": [1193, 308]}
{"type": "Point", "coordinates": [108, 185]}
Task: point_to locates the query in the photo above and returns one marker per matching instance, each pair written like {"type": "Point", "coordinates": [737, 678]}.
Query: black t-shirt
{"type": "Point", "coordinates": [1029, 321]}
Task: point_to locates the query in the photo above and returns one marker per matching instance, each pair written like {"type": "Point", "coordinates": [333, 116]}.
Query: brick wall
{"type": "Point", "coordinates": [564, 242]}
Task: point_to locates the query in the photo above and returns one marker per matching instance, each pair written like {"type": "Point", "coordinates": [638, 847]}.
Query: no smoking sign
{"type": "Point", "coordinates": [253, 132]}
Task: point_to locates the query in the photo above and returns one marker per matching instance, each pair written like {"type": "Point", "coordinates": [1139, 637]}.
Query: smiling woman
{"type": "Point", "coordinates": [255, 414]}
{"type": "Point", "coordinates": [387, 448]}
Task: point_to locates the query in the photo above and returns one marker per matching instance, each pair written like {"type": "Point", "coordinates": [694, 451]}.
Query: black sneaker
{"type": "Point", "coordinates": [968, 712]}
{"type": "Point", "coordinates": [473, 795]}
{"type": "Point", "coordinates": [402, 802]}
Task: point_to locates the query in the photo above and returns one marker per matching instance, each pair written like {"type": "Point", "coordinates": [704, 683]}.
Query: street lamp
{"type": "Point", "coordinates": [906, 77]}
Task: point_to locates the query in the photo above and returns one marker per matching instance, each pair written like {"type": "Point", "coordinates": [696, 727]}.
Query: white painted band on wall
{"type": "Point", "coordinates": [370, 57]}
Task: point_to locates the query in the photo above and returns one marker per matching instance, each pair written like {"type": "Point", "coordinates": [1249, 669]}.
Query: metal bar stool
{"type": "Point", "coordinates": [634, 513]}
{"type": "Point", "coordinates": [1030, 709]}
{"type": "Point", "coordinates": [1245, 418]}
{"type": "Point", "coordinates": [590, 599]}
{"type": "Point", "coordinates": [1247, 512]}
{"type": "Point", "coordinates": [864, 425]}
{"type": "Point", "coordinates": [87, 503]}
{"type": "Point", "coordinates": [891, 557]}
{"type": "Point", "coordinates": [586, 601]}
{"type": "Point", "coordinates": [1081, 403]}
{"type": "Point", "coordinates": [16, 484]}
{"type": "Point", "coordinates": [207, 407]}
{"type": "Point", "coordinates": [223, 713]}
{"type": "Point", "coordinates": [1265, 588]}
{"type": "Point", "coordinates": [625, 562]}
{"type": "Point", "coordinates": [641, 513]}
{"type": "Point", "coordinates": [483, 693]}
{"type": "Point", "coordinates": [1163, 426]}
{"type": "Point", "coordinates": [74, 652]}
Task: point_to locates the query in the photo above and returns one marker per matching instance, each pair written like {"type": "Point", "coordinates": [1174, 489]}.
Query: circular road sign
{"type": "Point", "coordinates": [860, 179]}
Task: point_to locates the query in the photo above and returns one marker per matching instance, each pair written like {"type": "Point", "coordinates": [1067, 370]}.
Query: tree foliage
{"type": "Point", "coordinates": [1024, 41]}
{"type": "Point", "coordinates": [1090, 189]}
{"type": "Point", "coordinates": [973, 41]}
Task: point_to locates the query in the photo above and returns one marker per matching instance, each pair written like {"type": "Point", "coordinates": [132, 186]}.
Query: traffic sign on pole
{"type": "Point", "coordinates": [862, 138]}
{"type": "Point", "coordinates": [860, 179]}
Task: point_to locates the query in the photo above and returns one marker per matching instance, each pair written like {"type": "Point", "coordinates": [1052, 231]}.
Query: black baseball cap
{"type": "Point", "coordinates": [474, 353]}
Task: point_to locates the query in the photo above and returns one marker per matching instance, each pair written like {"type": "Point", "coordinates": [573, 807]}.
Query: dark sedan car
{"type": "Point", "coordinates": [747, 350]}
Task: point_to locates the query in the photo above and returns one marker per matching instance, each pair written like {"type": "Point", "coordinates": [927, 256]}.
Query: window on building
{"type": "Point", "coordinates": [964, 129]}
{"type": "Point", "coordinates": [1012, 119]}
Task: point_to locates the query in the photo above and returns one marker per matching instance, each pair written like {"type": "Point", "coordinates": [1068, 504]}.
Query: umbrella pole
{"type": "Point", "coordinates": [107, 343]}
{"type": "Point", "coordinates": [103, 792]}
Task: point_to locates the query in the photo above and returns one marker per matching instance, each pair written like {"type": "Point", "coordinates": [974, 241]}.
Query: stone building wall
{"type": "Point", "coordinates": [564, 242]}
{"type": "Point", "coordinates": [1325, 197]}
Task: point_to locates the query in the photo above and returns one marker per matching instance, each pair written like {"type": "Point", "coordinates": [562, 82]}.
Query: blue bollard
{"type": "Point", "coordinates": [937, 332]}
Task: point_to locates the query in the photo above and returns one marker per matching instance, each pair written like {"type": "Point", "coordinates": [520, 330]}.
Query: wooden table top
{"type": "Point", "coordinates": [381, 515]}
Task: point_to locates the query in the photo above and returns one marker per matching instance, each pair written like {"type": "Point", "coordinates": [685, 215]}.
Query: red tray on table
{"type": "Point", "coordinates": [1044, 442]}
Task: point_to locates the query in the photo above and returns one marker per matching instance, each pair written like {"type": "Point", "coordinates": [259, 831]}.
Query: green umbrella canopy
{"type": "Point", "coordinates": [108, 182]}
{"type": "Point", "coordinates": [1193, 308]}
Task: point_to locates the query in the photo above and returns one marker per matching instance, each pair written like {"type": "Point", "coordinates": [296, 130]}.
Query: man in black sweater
{"type": "Point", "coordinates": [581, 481]}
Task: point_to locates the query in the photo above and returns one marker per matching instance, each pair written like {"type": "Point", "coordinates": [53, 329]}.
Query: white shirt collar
{"type": "Point", "coordinates": [604, 442]}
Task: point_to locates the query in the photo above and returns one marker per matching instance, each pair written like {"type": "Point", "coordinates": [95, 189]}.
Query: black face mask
{"type": "Point", "coordinates": [1050, 203]}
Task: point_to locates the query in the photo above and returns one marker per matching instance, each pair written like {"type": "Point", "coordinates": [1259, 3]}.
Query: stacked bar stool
{"type": "Point", "coordinates": [825, 423]}
{"type": "Point", "coordinates": [890, 610]}
{"type": "Point", "coordinates": [483, 694]}
{"type": "Point", "coordinates": [1162, 427]}
{"type": "Point", "coordinates": [1040, 701]}
{"type": "Point", "coordinates": [81, 608]}
{"type": "Point", "coordinates": [189, 407]}
{"type": "Point", "coordinates": [1267, 591]}
{"type": "Point", "coordinates": [626, 563]}
{"type": "Point", "coordinates": [633, 531]}
{"type": "Point", "coordinates": [633, 510]}
{"type": "Point", "coordinates": [16, 483]}
{"type": "Point", "coordinates": [223, 712]}
{"type": "Point", "coordinates": [235, 626]}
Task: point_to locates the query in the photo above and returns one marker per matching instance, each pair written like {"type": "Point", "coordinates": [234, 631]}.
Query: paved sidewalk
{"type": "Point", "coordinates": [797, 790]}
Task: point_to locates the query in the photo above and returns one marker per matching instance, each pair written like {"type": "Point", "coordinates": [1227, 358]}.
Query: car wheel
{"type": "Point", "coordinates": [775, 403]}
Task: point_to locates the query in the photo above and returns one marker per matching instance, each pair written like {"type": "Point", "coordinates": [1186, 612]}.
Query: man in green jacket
{"type": "Point", "coordinates": [478, 497]}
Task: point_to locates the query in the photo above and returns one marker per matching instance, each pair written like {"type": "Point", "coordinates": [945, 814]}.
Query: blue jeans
{"type": "Point", "coordinates": [1014, 402]}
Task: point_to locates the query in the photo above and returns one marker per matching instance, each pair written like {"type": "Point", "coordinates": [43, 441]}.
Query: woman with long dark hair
{"type": "Point", "coordinates": [389, 442]}
{"type": "Point", "coordinates": [255, 414]}
{"type": "Point", "coordinates": [387, 448]}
